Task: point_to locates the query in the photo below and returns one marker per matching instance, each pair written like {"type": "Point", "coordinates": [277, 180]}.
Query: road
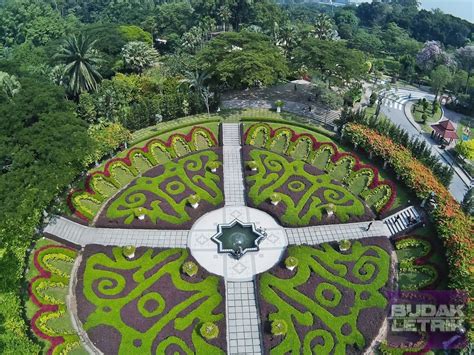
{"type": "Point", "coordinates": [393, 107]}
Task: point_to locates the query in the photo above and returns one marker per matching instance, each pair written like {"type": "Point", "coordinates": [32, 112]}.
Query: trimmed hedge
{"type": "Point", "coordinates": [344, 167]}
{"type": "Point", "coordinates": [325, 296]}
{"type": "Point", "coordinates": [147, 305]}
{"type": "Point", "coordinates": [118, 172]}
{"type": "Point", "coordinates": [50, 307]}
{"type": "Point", "coordinates": [452, 224]}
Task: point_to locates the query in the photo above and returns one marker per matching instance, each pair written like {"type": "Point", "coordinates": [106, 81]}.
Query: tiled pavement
{"type": "Point", "coordinates": [398, 222]}
{"type": "Point", "coordinates": [233, 176]}
{"type": "Point", "coordinates": [82, 235]}
{"type": "Point", "coordinates": [243, 334]}
{"type": "Point", "coordinates": [334, 232]}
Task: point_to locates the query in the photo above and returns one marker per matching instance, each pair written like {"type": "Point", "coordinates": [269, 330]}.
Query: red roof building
{"type": "Point", "coordinates": [444, 130]}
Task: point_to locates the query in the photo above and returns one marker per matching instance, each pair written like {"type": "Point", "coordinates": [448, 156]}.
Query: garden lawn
{"type": "Point", "coordinates": [146, 305]}
{"type": "Point", "coordinates": [161, 194]}
{"type": "Point", "coordinates": [418, 112]}
{"type": "Point", "coordinates": [332, 303]}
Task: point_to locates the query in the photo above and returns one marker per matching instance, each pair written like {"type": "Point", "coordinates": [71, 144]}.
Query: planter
{"type": "Point", "coordinates": [275, 203]}
{"type": "Point", "coordinates": [330, 213]}
{"type": "Point", "coordinates": [141, 217]}
{"type": "Point", "coordinates": [291, 268]}
{"type": "Point", "coordinates": [214, 170]}
{"type": "Point", "coordinates": [195, 205]}
{"type": "Point", "coordinates": [278, 109]}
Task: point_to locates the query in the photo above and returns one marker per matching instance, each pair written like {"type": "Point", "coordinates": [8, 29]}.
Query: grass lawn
{"type": "Point", "coordinates": [417, 111]}
{"type": "Point", "coordinates": [336, 296]}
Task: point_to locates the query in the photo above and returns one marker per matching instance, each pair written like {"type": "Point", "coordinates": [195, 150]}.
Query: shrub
{"type": "Point", "coordinates": [190, 268]}
{"type": "Point", "coordinates": [209, 330]}
{"type": "Point", "coordinates": [252, 165]}
{"type": "Point", "coordinates": [373, 99]}
{"type": "Point", "coordinates": [279, 327]}
{"type": "Point", "coordinates": [194, 199]}
{"type": "Point", "coordinates": [330, 208]}
{"type": "Point", "coordinates": [344, 245]}
{"type": "Point", "coordinates": [213, 165]}
{"type": "Point", "coordinates": [424, 117]}
{"type": "Point", "coordinates": [129, 251]}
{"type": "Point", "coordinates": [291, 262]}
{"type": "Point", "coordinates": [139, 212]}
{"type": "Point", "coordinates": [279, 103]}
{"type": "Point", "coordinates": [275, 198]}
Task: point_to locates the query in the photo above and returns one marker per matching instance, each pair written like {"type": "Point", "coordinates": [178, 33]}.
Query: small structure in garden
{"type": "Point", "coordinates": [444, 131]}
{"type": "Point", "coordinates": [237, 238]}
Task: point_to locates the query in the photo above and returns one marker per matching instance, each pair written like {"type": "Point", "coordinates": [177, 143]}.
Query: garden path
{"type": "Point", "coordinates": [399, 222]}
{"type": "Point", "coordinates": [233, 177]}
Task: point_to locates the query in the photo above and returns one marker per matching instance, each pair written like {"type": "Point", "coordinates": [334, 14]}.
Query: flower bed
{"type": "Point", "coordinates": [304, 192]}
{"type": "Point", "coordinates": [160, 197]}
{"type": "Point", "coordinates": [118, 172]}
{"type": "Point", "coordinates": [332, 303]}
{"type": "Point", "coordinates": [344, 167]}
{"type": "Point", "coordinates": [51, 307]}
{"type": "Point", "coordinates": [147, 304]}
{"type": "Point", "coordinates": [453, 226]}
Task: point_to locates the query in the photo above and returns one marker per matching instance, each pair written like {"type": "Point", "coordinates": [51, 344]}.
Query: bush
{"type": "Point", "coordinates": [194, 199]}
{"type": "Point", "coordinates": [209, 330]}
{"type": "Point", "coordinates": [190, 268]}
{"type": "Point", "coordinates": [213, 165]}
{"type": "Point", "coordinates": [291, 262]}
{"type": "Point", "coordinates": [279, 103]}
{"type": "Point", "coordinates": [373, 99]}
{"type": "Point", "coordinates": [129, 251]}
{"type": "Point", "coordinates": [424, 117]}
{"type": "Point", "coordinates": [344, 245]}
{"type": "Point", "coordinates": [279, 327]}
{"type": "Point", "coordinates": [252, 165]}
{"type": "Point", "coordinates": [275, 197]}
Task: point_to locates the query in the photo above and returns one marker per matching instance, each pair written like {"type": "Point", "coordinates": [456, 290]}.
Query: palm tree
{"type": "Point", "coordinates": [323, 28]}
{"type": "Point", "coordinates": [195, 81]}
{"type": "Point", "coordinates": [138, 56]}
{"type": "Point", "coordinates": [9, 85]}
{"type": "Point", "coordinates": [224, 14]}
{"type": "Point", "coordinates": [81, 60]}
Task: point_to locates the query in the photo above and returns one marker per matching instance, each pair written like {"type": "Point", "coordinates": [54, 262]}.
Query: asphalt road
{"type": "Point", "coordinates": [459, 185]}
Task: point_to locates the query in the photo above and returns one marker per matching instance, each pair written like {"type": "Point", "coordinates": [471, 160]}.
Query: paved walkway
{"type": "Point", "coordinates": [398, 222]}
{"type": "Point", "coordinates": [82, 235]}
{"type": "Point", "coordinates": [335, 232]}
{"type": "Point", "coordinates": [243, 333]}
{"type": "Point", "coordinates": [233, 176]}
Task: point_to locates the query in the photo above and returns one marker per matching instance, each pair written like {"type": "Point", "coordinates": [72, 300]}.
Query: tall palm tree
{"type": "Point", "coordinates": [196, 81]}
{"type": "Point", "coordinates": [323, 28]}
{"type": "Point", "coordinates": [81, 60]}
{"type": "Point", "coordinates": [9, 85]}
{"type": "Point", "coordinates": [224, 14]}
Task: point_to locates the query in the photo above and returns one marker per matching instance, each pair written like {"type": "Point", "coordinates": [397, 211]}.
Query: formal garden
{"type": "Point", "coordinates": [328, 297]}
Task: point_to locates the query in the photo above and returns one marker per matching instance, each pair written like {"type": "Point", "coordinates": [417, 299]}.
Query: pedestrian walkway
{"type": "Point", "coordinates": [233, 177]}
{"type": "Point", "coordinates": [336, 232]}
{"type": "Point", "coordinates": [78, 234]}
{"type": "Point", "coordinates": [403, 220]}
{"type": "Point", "coordinates": [398, 98]}
{"type": "Point", "coordinates": [243, 333]}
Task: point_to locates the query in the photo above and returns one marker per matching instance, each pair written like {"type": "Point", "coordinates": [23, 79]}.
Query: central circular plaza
{"type": "Point", "coordinates": [237, 242]}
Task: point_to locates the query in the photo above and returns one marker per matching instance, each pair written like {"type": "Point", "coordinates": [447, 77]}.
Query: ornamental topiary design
{"type": "Point", "coordinates": [209, 330]}
{"type": "Point", "coordinates": [305, 194]}
{"type": "Point", "coordinates": [42, 291]}
{"type": "Point", "coordinates": [190, 268]}
{"type": "Point", "coordinates": [343, 167]}
{"type": "Point", "coordinates": [148, 303]}
{"type": "Point", "coordinates": [118, 172]}
{"type": "Point", "coordinates": [291, 262]}
{"type": "Point", "coordinates": [165, 195]}
{"type": "Point", "coordinates": [326, 298]}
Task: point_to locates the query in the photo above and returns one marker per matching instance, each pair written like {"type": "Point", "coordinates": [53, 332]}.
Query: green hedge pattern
{"type": "Point", "coordinates": [317, 292]}
{"type": "Point", "coordinates": [161, 198]}
{"type": "Point", "coordinates": [305, 196]}
{"type": "Point", "coordinates": [361, 179]}
{"type": "Point", "coordinates": [118, 172]}
{"type": "Point", "coordinates": [111, 283]}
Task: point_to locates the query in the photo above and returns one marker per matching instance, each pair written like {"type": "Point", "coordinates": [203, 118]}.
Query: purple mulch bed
{"type": "Point", "coordinates": [193, 213]}
{"type": "Point", "coordinates": [108, 339]}
{"type": "Point", "coordinates": [278, 211]}
{"type": "Point", "coordinates": [369, 320]}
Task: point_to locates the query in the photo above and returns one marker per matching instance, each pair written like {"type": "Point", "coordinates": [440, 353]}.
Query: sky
{"type": "Point", "coordinates": [460, 8]}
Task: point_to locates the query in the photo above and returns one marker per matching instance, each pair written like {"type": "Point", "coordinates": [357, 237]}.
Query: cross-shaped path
{"type": "Point", "coordinates": [242, 314]}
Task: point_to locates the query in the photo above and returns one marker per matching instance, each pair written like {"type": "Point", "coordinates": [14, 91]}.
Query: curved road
{"type": "Point", "coordinates": [394, 107]}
